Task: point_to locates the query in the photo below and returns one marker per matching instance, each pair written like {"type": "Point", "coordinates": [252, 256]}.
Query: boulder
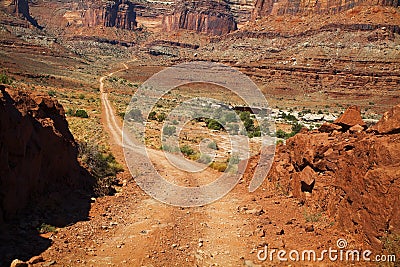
{"type": "Point", "coordinates": [351, 117]}
{"type": "Point", "coordinates": [327, 127]}
{"type": "Point", "coordinates": [389, 123]}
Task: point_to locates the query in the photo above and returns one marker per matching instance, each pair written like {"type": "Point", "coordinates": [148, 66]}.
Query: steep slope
{"type": "Point", "coordinates": [205, 16]}
{"type": "Point", "coordinates": [352, 175]}
{"type": "Point", "coordinates": [38, 152]}
{"type": "Point", "coordinates": [284, 7]}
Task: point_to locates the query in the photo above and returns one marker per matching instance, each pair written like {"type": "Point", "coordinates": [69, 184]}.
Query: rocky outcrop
{"type": "Point", "coordinates": [351, 176]}
{"type": "Point", "coordinates": [21, 8]}
{"type": "Point", "coordinates": [38, 152]}
{"type": "Point", "coordinates": [283, 7]}
{"type": "Point", "coordinates": [205, 16]}
{"type": "Point", "coordinates": [389, 123]}
{"type": "Point", "coordinates": [119, 14]}
{"type": "Point", "coordinates": [350, 118]}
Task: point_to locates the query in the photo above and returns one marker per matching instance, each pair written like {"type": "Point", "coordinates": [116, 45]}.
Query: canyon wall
{"type": "Point", "coordinates": [346, 171]}
{"type": "Point", "coordinates": [38, 152]}
{"type": "Point", "coordinates": [282, 7]}
{"type": "Point", "coordinates": [203, 16]}
{"type": "Point", "coordinates": [119, 14]}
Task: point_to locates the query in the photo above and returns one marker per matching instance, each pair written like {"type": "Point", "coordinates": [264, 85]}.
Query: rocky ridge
{"type": "Point", "coordinates": [264, 8]}
{"type": "Point", "coordinates": [210, 17]}
{"type": "Point", "coordinates": [39, 154]}
{"type": "Point", "coordinates": [119, 14]}
{"type": "Point", "coordinates": [345, 171]}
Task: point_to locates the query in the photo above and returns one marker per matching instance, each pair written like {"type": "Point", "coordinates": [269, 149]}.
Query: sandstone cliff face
{"type": "Point", "coordinates": [38, 152]}
{"type": "Point", "coordinates": [21, 8]}
{"type": "Point", "coordinates": [207, 17]}
{"type": "Point", "coordinates": [119, 14]}
{"type": "Point", "coordinates": [281, 7]}
{"type": "Point", "coordinates": [350, 174]}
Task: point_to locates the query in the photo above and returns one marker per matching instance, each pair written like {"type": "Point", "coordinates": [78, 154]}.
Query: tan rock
{"type": "Point", "coordinates": [389, 123]}
{"type": "Point", "coordinates": [351, 117]}
{"type": "Point", "coordinates": [18, 263]}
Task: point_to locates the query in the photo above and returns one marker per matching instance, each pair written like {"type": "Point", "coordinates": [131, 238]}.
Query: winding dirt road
{"type": "Point", "coordinates": [164, 235]}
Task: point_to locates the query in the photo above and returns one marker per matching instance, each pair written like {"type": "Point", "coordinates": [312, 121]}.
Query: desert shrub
{"type": "Point", "coordinates": [101, 165]}
{"type": "Point", "coordinates": [213, 124]}
{"type": "Point", "coordinates": [391, 243]}
{"type": "Point", "coordinates": [4, 79]}
{"type": "Point", "coordinates": [187, 150]}
{"type": "Point", "coordinates": [46, 228]}
{"type": "Point", "coordinates": [169, 130]}
{"type": "Point", "coordinates": [169, 148]}
{"type": "Point", "coordinates": [161, 117]}
{"type": "Point", "coordinates": [230, 117]}
{"type": "Point", "coordinates": [204, 159]}
{"type": "Point", "coordinates": [152, 115]}
{"type": "Point", "coordinates": [234, 159]}
{"type": "Point", "coordinates": [121, 114]}
{"type": "Point", "coordinates": [81, 96]}
{"type": "Point", "coordinates": [312, 217]}
{"type": "Point", "coordinates": [281, 134]}
{"type": "Point", "coordinates": [81, 113]}
{"type": "Point", "coordinates": [212, 145]}
{"type": "Point", "coordinates": [219, 166]}
{"type": "Point", "coordinates": [233, 128]}
{"type": "Point", "coordinates": [52, 93]}
{"type": "Point", "coordinates": [135, 114]}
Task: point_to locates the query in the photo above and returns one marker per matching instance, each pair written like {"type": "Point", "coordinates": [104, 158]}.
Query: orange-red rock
{"type": "Point", "coordinates": [389, 123]}
{"type": "Point", "coordinates": [351, 117]}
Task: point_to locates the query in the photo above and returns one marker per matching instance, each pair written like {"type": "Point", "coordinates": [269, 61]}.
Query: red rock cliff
{"type": "Point", "coordinates": [282, 7]}
{"type": "Point", "coordinates": [350, 174]}
{"type": "Point", "coordinates": [119, 14]}
{"type": "Point", "coordinates": [38, 152]}
{"type": "Point", "coordinates": [208, 17]}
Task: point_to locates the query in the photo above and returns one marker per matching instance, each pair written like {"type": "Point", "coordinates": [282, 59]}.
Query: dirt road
{"type": "Point", "coordinates": [133, 229]}
{"type": "Point", "coordinates": [158, 232]}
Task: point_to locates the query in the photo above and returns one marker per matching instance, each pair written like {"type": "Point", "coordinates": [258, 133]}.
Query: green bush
{"type": "Point", "coordinates": [169, 130]}
{"type": "Point", "coordinates": [4, 79]}
{"type": "Point", "coordinates": [213, 124]}
{"type": "Point", "coordinates": [46, 228]}
{"type": "Point", "coordinates": [205, 159]}
{"type": "Point", "coordinates": [161, 117]}
{"type": "Point", "coordinates": [234, 159]}
{"type": "Point", "coordinates": [135, 114]}
{"type": "Point", "coordinates": [81, 113]}
{"type": "Point", "coordinates": [187, 150]}
{"type": "Point", "coordinates": [169, 148]}
{"type": "Point", "coordinates": [52, 93]}
{"type": "Point", "coordinates": [101, 165]}
{"type": "Point", "coordinates": [152, 115]}
{"type": "Point", "coordinates": [212, 145]}
{"type": "Point", "coordinates": [219, 166]}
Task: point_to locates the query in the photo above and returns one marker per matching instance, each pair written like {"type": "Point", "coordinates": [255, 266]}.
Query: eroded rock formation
{"type": "Point", "coordinates": [119, 14]}
{"type": "Point", "coordinates": [282, 7]}
{"type": "Point", "coordinates": [38, 152]}
{"type": "Point", "coordinates": [352, 176]}
{"type": "Point", "coordinates": [205, 16]}
{"type": "Point", "coordinates": [21, 8]}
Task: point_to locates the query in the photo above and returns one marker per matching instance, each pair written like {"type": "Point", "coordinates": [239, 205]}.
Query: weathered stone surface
{"type": "Point", "coordinates": [282, 7]}
{"type": "Point", "coordinates": [205, 16]}
{"type": "Point", "coordinates": [355, 178]}
{"type": "Point", "coordinates": [327, 127]}
{"type": "Point", "coordinates": [351, 117]}
{"type": "Point", "coordinates": [389, 123]}
{"type": "Point", "coordinates": [38, 152]}
{"type": "Point", "coordinates": [119, 14]}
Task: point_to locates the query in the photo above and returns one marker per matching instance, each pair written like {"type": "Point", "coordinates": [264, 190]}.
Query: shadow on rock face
{"type": "Point", "coordinates": [42, 183]}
